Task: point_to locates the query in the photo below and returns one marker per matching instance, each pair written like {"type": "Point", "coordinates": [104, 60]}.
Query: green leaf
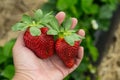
{"type": "Point", "coordinates": [26, 19]}
{"type": "Point", "coordinates": [65, 4]}
{"type": "Point", "coordinates": [83, 67]}
{"type": "Point", "coordinates": [7, 49]}
{"type": "Point", "coordinates": [94, 53]}
{"type": "Point", "coordinates": [48, 25]}
{"type": "Point", "coordinates": [104, 0]}
{"type": "Point", "coordinates": [8, 72]}
{"type": "Point", "coordinates": [47, 18]}
{"type": "Point", "coordinates": [38, 15]}
{"type": "Point", "coordinates": [67, 77]}
{"type": "Point", "coordinates": [62, 29]}
{"type": "Point", "coordinates": [67, 24]}
{"type": "Point", "coordinates": [35, 31]}
{"type": "Point", "coordinates": [88, 7]}
{"type": "Point", "coordinates": [1, 49]}
{"type": "Point", "coordinates": [19, 26]}
{"type": "Point", "coordinates": [105, 12]}
{"type": "Point", "coordinates": [40, 26]}
{"type": "Point", "coordinates": [2, 57]}
{"type": "Point", "coordinates": [48, 14]}
{"type": "Point", "coordinates": [75, 36]}
{"type": "Point", "coordinates": [110, 1]}
{"type": "Point", "coordinates": [69, 40]}
{"type": "Point", "coordinates": [93, 9]}
{"type": "Point", "coordinates": [86, 3]}
{"type": "Point", "coordinates": [54, 24]}
{"type": "Point", "coordinates": [52, 32]}
{"type": "Point", "coordinates": [92, 49]}
{"type": "Point", "coordinates": [72, 31]}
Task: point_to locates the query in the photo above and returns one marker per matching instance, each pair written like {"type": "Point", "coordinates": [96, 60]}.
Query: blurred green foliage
{"type": "Point", "coordinates": [85, 11]}
{"type": "Point", "coordinates": [6, 61]}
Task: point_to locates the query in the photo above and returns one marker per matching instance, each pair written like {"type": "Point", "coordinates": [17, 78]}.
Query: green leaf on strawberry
{"type": "Point", "coordinates": [76, 36]}
{"type": "Point", "coordinates": [38, 15]}
{"type": "Point", "coordinates": [64, 31]}
{"type": "Point", "coordinates": [26, 19]}
{"type": "Point", "coordinates": [37, 21]}
{"type": "Point", "coordinates": [35, 31]}
{"type": "Point", "coordinates": [52, 32]}
{"type": "Point", "coordinates": [69, 40]}
{"type": "Point", "coordinates": [18, 26]}
{"type": "Point", "coordinates": [54, 24]}
{"type": "Point", "coordinates": [47, 18]}
{"type": "Point", "coordinates": [67, 24]}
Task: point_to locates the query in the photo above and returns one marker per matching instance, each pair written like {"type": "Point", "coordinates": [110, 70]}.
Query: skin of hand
{"type": "Point", "coordinates": [29, 67]}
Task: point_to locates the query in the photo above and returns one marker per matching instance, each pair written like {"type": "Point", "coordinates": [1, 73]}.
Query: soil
{"type": "Point", "coordinates": [109, 68]}
{"type": "Point", "coordinates": [11, 12]}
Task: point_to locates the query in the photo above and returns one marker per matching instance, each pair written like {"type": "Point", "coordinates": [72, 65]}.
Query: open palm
{"type": "Point", "coordinates": [30, 67]}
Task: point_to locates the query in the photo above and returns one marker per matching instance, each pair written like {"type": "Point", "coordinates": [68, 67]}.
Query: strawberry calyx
{"type": "Point", "coordinates": [34, 23]}
{"type": "Point", "coordinates": [64, 31]}
{"type": "Point", "coordinates": [70, 36]}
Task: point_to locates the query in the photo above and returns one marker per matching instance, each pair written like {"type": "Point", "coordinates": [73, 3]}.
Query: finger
{"type": "Point", "coordinates": [74, 23]}
{"type": "Point", "coordinates": [80, 52]}
{"type": "Point", "coordinates": [20, 47]}
{"type": "Point", "coordinates": [80, 55]}
{"type": "Point", "coordinates": [60, 17]}
{"type": "Point", "coordinates": [20, 41]}
{"type": "Point", "coordinates": [81, 32]}
{"type": "Point", "coordinates": [78, 59]}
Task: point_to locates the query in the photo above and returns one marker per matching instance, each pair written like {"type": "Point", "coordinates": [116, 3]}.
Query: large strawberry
{"type": "Point", "coordinates": [67, 52]}
{"type": "Point", "coordinates": [36, 37]}
{"type": "Point", "coordinates": [67, 42]}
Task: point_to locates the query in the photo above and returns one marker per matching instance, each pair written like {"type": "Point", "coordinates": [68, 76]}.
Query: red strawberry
{"type": "Point", "coordinates": [67, 52]}
{"type": "Point", "coordinates": [67, 42]}
{"type": "Point", "coordinates": [36, 36]}
{"type": "Point", "coordinates": [42, 45]}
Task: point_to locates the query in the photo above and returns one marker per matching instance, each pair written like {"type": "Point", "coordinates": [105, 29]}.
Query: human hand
{"type": "Point", "coordinates": [29, 67]}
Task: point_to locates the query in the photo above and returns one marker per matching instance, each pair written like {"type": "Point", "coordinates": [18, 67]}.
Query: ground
{"type": "Point", "coordinates": [109, 69]}
{"type": "Point", "coordinates": [10, 12]}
